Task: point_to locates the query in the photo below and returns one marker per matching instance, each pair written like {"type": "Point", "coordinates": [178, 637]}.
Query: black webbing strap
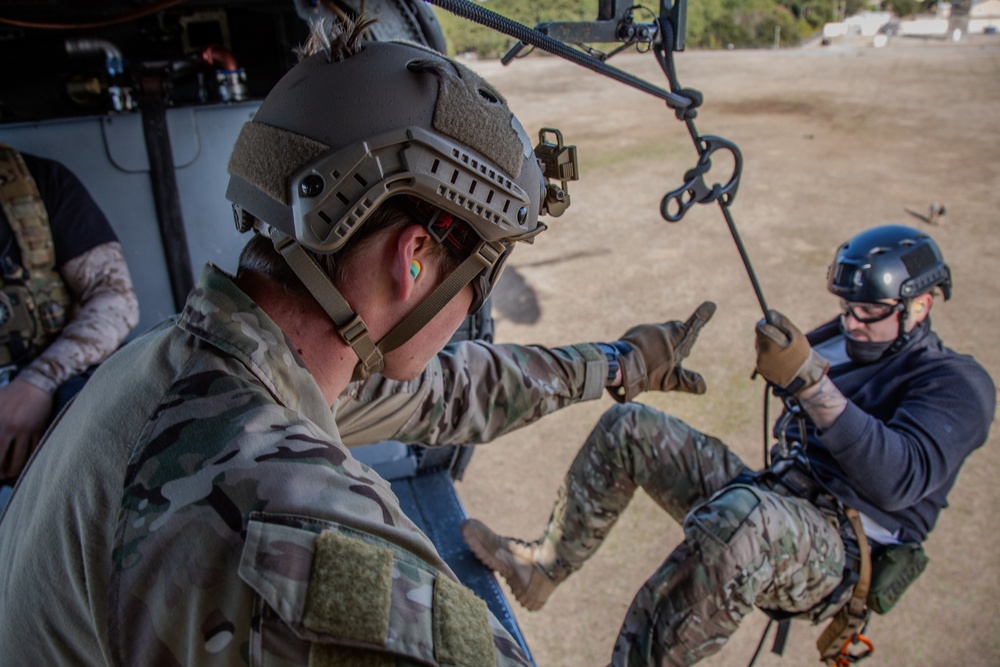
{"type": "Point", "coordinates": [781, 636]}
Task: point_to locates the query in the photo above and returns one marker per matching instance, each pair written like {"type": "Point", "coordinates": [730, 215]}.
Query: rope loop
{"type": "Point", "coordinates": [690, 112]}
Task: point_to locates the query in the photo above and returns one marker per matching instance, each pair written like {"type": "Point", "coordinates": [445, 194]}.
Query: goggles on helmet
{"type": "Point", "coordinates": [458, 237]}
{"type": "Point", "coordinates": [870, 312]}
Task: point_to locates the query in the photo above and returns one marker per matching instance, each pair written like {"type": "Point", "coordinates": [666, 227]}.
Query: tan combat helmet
{"type": "Point", "coordinates": [338, 136]}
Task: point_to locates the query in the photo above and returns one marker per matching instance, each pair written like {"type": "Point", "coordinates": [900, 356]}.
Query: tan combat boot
{"type": "Point", "coordinates": [529, 567]}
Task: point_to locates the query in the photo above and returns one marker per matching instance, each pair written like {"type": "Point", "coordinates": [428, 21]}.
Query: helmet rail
{"type": "Point", "coordinates": [331, 196]}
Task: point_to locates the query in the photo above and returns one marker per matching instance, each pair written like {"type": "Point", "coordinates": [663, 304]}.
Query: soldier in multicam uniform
{"type": "Point", "coordinates": [199, 505]}
{"type": "Point", "coordinates": [890, 415]}
{"type": "Point", "coordinates": [66, 297]}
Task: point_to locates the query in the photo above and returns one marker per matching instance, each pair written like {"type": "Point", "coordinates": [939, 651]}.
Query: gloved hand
{"type": "Point", "coordinates": [784, 356]}
{"type": "Point", "coordinates": [657, 352]}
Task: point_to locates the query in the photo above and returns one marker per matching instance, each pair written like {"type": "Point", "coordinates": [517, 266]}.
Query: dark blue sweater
{"type": "Point", "coordinates": [913, 418]}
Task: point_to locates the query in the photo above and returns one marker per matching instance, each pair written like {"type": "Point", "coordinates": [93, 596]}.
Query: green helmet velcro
{"type": "Point", "coordinates": [266, 157]}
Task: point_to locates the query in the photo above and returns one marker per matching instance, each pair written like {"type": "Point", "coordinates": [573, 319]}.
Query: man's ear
{"type": "Point", "coordinates": [412, 247]}
{"type": "Point", "coordinates": [920, 307]}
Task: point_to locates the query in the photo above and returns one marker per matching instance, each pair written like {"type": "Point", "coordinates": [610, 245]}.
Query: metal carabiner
{"type": "Point", "coordinates": [695, 190]}
{"type": "Point", "coordinates": [846, 658]}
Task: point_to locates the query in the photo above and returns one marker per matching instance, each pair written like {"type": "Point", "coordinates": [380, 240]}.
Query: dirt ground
{"type": "Point", "coordinates": [835, 140]}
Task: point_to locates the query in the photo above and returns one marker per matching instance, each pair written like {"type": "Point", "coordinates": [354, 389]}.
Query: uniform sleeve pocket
{"type": "Point", "coordinates": [342, 592]}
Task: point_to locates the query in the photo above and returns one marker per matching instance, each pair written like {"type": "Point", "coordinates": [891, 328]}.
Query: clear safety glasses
{"type": "Point", "coordinates": [870, 313]}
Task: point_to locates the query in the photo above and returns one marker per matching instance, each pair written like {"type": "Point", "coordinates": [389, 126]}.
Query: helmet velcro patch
{"type": "Point", "coordinates": [266, 157]}
{"type": "Point", "coordinates": [472, 111]}
{"type": "Point", "coordinates": [918, 260]}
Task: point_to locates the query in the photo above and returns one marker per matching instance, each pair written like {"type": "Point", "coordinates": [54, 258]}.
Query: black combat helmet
{"type": "Point", "coordinates": [888, 262]}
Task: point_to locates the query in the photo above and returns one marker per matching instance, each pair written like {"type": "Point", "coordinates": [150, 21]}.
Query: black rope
{"type": "Point", "coordinates": [664, 56]}
{"type": "Point", "coordinates": [767, 424]}
{"type": "Point", "coordinates": [724, 206]}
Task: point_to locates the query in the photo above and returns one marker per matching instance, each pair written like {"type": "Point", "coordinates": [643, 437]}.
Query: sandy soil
{"type": "Point", "coordinates": [834, 140]}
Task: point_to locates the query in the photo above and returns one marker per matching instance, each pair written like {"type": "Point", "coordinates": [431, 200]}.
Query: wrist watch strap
{"type": "Point", "coordinates": [613, 352]}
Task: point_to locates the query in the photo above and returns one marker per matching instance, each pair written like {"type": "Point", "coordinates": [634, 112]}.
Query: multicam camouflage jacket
{"type": "Point", "coordinates": [196, 505]}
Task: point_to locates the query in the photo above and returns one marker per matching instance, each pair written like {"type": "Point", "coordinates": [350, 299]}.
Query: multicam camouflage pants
{"type": "Point", "coordinates": [743, 545]}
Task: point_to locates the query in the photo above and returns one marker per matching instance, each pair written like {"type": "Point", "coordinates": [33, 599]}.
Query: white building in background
{"type": "Point", "coordinates": [863, 24]}
{"type": "Point", "coordinates": [923, 26]}
{"type": "Point", "coordinates": [984, 17]}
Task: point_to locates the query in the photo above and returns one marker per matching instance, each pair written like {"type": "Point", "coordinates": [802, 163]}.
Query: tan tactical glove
{"type": "Point", "coordinates": [657, 352]}
{"type": "Point", "coordinates": [784, 356]}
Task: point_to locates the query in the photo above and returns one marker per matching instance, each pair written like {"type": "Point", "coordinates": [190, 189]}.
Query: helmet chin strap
{"type": "Point", "coordinates": [350, 326]}
{"type": "Point", "coordinates": [902, 337]}
{"type": "Point", "coordinates": [483, 257]}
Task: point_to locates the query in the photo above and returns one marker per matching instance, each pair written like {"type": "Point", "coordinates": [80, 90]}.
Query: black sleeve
{"type": "Point", "coordinates": [78, 224]}
{"type": "Point", "coordinates": [945, 413]}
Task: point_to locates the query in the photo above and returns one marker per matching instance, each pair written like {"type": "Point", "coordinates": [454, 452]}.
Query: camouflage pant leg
{"type": "Point", "coordinates": [745, 546]}
{"type": "Point", "coordinates": [633, 445]}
